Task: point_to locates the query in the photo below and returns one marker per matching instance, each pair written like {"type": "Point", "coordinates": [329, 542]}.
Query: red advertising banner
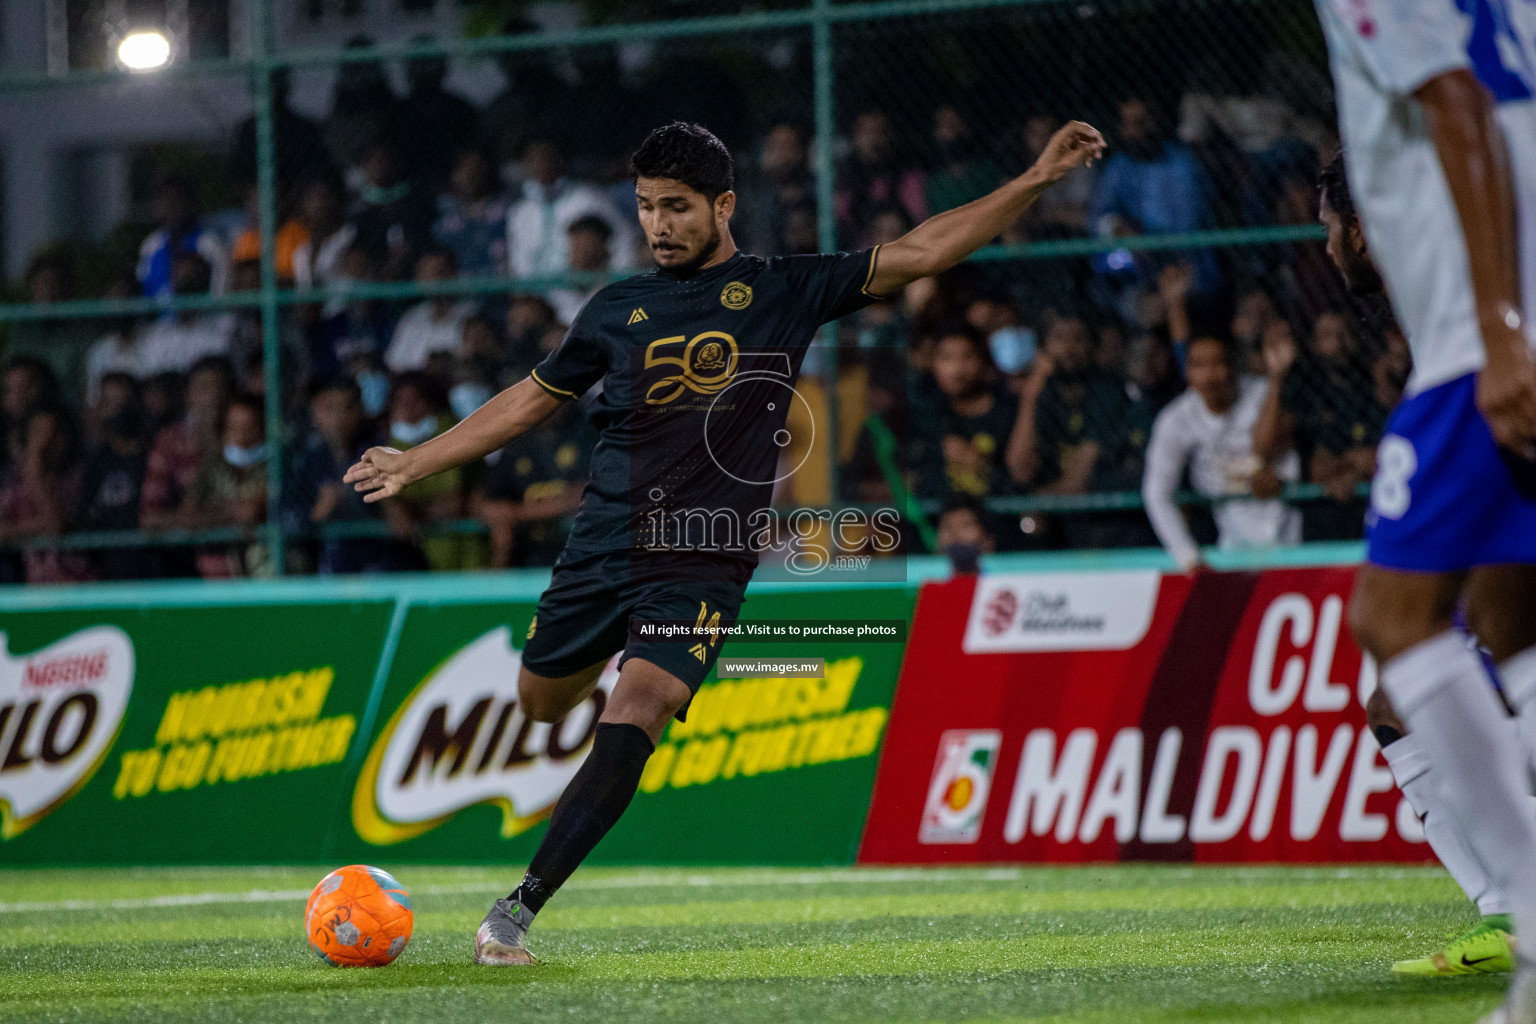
{"type": "Point", "coordinates": [1127, 715]}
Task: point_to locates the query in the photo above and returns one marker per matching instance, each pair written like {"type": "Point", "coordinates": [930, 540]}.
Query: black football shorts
{"type": "Point", "coordinates": [596, 603]}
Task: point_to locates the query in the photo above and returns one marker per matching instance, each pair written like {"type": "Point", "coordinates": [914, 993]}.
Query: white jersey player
{"type": "Point", "coordinates": [1427, 168]}
{"type": "Point", "coordinates": [1501, 46]}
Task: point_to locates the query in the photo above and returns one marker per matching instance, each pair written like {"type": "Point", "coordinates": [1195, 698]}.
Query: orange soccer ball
{"type": "Point", "coordinates": [358, 916]}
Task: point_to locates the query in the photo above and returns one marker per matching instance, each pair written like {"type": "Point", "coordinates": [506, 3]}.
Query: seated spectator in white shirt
{"type": "Point", "coordinates": [537, 240]}
{"type": "Point", "coordinates": [434, 325]}
{"type": "Point", "coordinates": [587, 240]}
{"type": "Point", "coordinates": [177, 341]}
{"type": "Point", "coordinates": [1209, 430]}
{"type": "Point", "coordinates": [181, 231]}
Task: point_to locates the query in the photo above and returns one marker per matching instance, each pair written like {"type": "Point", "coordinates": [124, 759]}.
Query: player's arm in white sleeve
{"type": "Point", "coordinates": [1399, 44]}
{"type": "Point", "coordinates": [1417, 49]}
{"type": "Point", "coordinates": [1461, 120]}
{"type": "Point", "coordinates": [1167, 454]}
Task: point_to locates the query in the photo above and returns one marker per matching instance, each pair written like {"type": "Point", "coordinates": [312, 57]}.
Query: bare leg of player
{"type": "Point", "coordinates": [550, 698]}
{"type": "Point", "coordinates": [1440, 688]}
{"type": "Point", "coordinates": [643, 701]}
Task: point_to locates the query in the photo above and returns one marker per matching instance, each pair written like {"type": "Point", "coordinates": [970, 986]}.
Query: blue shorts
{"type": "Point", "coordinates": [1443, 498]}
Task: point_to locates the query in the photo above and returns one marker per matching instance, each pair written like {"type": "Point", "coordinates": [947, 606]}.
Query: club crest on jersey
{"type": "Point", "coordinates": [736, 295]}
{"type": "Point", "coordinates": [710, 358]}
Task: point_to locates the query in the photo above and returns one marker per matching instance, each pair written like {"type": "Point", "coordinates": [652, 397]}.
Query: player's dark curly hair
{"type": "Point", "coordinates": [1334, 185]}
{"type": "Point", "coordinates": [689, 153]}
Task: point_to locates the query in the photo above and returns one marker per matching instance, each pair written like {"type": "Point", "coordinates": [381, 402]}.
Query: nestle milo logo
{"type": "Point", "coordinates": [86, 667]}
{"type": "Point", "coordinates": [443, 744]}
{"type": "Point", "coordinates": [60, 709]}
{"type": "Point", "coordinates": [460, 739]}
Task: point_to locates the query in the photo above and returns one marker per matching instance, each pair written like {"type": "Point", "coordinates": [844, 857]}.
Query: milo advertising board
{"type": "Point", "coordinates": [763, 770]}
{"type": "Point", "coordinates": [191, 734]}
{"type": "Point", "coordinates": [372, 718]}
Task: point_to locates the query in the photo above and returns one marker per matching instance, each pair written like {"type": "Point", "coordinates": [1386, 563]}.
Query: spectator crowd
{"type": "Point", "coordinates": [998, 380]}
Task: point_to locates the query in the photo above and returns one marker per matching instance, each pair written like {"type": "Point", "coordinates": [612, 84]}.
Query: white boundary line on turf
{"type": "Point", "coordinates": [627, 881]}
{"type": "Point", "coordinates": [197, 899]}
{"type": "Point", "coordinates": [622, 882]}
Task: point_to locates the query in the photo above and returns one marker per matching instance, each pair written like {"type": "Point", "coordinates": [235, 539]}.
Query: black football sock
{"type": "Point", "coordinates": [588, 808]}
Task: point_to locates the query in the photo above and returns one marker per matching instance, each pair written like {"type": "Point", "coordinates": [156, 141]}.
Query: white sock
{"type": "Point", "coordinates": [1411, 768]}
{"type": "Point", "coordinates": [1518, 676]}
{"type": "Point", "coordinates": [1441, 691]}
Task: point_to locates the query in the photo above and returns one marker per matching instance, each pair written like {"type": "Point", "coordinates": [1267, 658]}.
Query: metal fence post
{"type": "Point", "coordinates": [271, 347]}
{"type": "Point", "coordinates": [826, 214]}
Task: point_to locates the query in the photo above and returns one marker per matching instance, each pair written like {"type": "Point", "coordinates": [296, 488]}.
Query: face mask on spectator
{"type": "Point", "coordinates": [1013, 348]}
{"type": "Point", "coordinates": [384, 195]}
{"type": "Point", "coordinates": [374, 384]}
{"type": "Point", "coordinates": [965, 558]}
{"type": "Point", "coordinates": [414, 433]}
{"type": "Point", "coordinates": [244, 458]}
{"type": "Point", "coordinates": [468, 396]}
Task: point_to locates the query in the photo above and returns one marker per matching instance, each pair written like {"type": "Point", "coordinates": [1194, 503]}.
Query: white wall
{"type": "Point", "coordinates": [39, 130]}
{"type": "Point", "coordinates": [43, 133]}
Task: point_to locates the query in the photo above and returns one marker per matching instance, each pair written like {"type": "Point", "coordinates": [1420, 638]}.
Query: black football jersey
{"type": "Point", "coordinates": [696, 376]}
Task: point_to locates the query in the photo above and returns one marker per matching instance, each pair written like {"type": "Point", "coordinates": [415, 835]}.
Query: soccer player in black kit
{"type": "Point", "coordinates": [695, 362]}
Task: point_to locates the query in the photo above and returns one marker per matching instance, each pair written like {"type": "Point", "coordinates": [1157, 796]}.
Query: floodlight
{"type": "Point", "coordinates": [144, 51]}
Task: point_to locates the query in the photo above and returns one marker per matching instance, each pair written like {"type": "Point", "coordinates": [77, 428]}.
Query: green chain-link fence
{"type": "Point", "coordinates": [849, 121]}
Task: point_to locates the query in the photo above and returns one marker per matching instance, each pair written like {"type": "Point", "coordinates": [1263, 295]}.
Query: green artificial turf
{"type": "Point", "coordinates": [1103, 944]}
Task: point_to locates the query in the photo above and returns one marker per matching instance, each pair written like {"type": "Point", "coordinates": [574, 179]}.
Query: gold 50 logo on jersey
{"type": "Point", "coordinates": [706, 362]}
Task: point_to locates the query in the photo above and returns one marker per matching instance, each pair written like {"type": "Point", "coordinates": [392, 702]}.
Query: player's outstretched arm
{"type": "Point", "coordinates": [385, 472]}
{"type": "Point", "coordinates": [945, 239]}
{"type": "Point", "coordinates": [1461, 121]}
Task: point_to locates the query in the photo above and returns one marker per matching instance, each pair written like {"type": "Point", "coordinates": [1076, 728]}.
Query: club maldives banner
{"type": "Point", "coordinates": [338, 726]}
{"type": "Point", "coordinates": [1102, 716]}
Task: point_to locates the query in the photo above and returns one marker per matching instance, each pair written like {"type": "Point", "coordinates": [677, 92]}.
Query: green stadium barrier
{"type": "Point", "coordinates": [278, 721]}
{"type": "Point", "coordinates": [313, 720]}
